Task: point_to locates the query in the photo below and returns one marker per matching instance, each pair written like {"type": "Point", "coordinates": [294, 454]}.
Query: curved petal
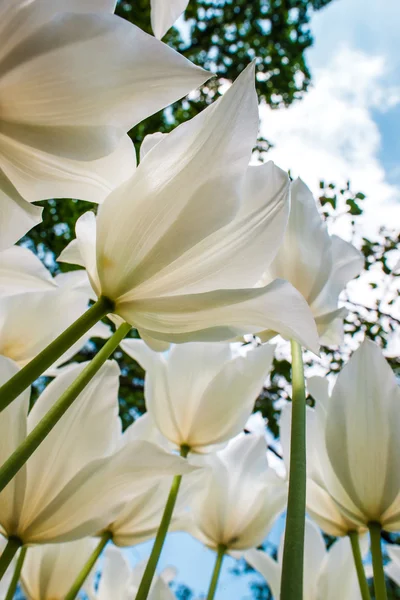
{"type": "Point", "coordinates": [362, 428]}
{"type": "Point", "coordinates": [38, 174]}
{"type": "Point", "coordinates": [225, 315]}
{"type": "Point", "coordinates": [338, 577]}
{"type": "Point", "coordinates": [229, 399]}
{"type": "Point", "coordinates": [114, 75]}
{"type": "Point", "coordinates": [22, 271]}
{"type": "Point", "coordinates": [13, 429]}
{"type": "Point", "coordinates": [17, 216]}
{"type": "Point", "coordinates": [304, 257]}
{"type": "Point", "coordinates": [49, 570]}
{"type": "Point", "coordinates": [234, 255]}
{"type": "Point", "coordinates": [115, 576]}
{"type": "Point", "coordinates": [164, 13]}
{"type": "Point", "coordinates": [89, 430]}
{"type": "Point", "coordinates": [113, 481]}
{"type": "Point", "coordinates": [170, 204]}
{"type": "Point", "coordinates": [267, 567]}
{"type": "Point", "coordinates": [30, 321]}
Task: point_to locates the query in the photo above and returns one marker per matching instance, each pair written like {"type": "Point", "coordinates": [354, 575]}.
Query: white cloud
{"type": "Point", "coordinates": [331, 134]}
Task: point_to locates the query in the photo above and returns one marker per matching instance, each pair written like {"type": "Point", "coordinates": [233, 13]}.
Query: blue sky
{"type": "Point", "coordinates": [347, 127]}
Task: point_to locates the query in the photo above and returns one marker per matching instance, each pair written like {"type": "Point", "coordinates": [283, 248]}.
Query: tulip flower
{"type": "Point", "coordinates": [75, 78]}
{"type": "Point", "coordinates": [321, 506]}
{"type": "Point", "coordinates": [327, 575]}
{"type": "Point", "coordinates": [237, 499]}
{"type": "Point", "coordinates": [361, 438]}
{"type": "Point", "coordinates": [48, 570]}
{"type": "Point", "coordinates": [84, 472]}
{"type": "Point", "coordinates": [175, 282]}
{"type": "Point", "coordinates": [119, 581]}
{"type": "Point", "coordinates": [164, 13]}
{"type": "Point", "coordinates": [200, 395]}
{"type": "Point", "coordinates": [316, 264]}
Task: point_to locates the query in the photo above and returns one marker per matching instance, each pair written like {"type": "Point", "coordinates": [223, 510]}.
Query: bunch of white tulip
{"type": "Point", "coordinates": [194, 249]}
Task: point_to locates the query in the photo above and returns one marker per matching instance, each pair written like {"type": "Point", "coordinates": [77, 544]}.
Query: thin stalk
{"type": "Point", "coordinates": [358, 562]}
{"type": "Point", "coordinates": [17, 573]}
{"type": "Point", "coordinates": [88, 566]}
{"type": "Point", "coordinates": [37, 366]}
{"type": "Point", "coordinates": [377, 561]}
{"type": "Point", "coordinates": [13, 543]}
{"type": "Point", "coordinates": [18, 458]}
{"type": "Point", "coordinates": [216, 572]}
{"type": "Point", "coordinates": [293, 552]}
{"type": "Point", "coordinates": [151, 566]}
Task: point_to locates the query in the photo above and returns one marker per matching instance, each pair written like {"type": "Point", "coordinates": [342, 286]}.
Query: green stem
{"type": "Point", "coordinates": [36, 367]}
{"type": "Point", "coordinates": [377, 561]}
{"type": "Point", "coordinates": [13, 543]}
{"type": "Point", "coordinates": [151, 566]}
{"type": "Point", "coordinates": [293, 552]}
{"type": "Point", "coordinates": [358, 562]}
{"type": "Point", "coordinates": [17, 573]}
{"type": "Point", "coordinates": [83, 575]}
{"type": "Point", "coordinates": [216, 572]}
{"type": "Point", "coordinates": [19, 457]}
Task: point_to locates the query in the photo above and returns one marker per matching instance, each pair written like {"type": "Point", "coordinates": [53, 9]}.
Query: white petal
{"type": "Point", "coordinates": [112, 481]}
{"type": "Point", "coordinates": [235, 255]}
{"type": "Point", "coordinates": [30, 321]}
{"type": "Point", "coordinates": [115, 575]}
{"type": "Point", "coordinates": [229, 399]}
{"type": "Point", "coordinates": [338, 578]}
{"type": "Point", "coordinates": [22, 271]}
{"type": "Point", "coordinates": [362, 428]}
{"type": "Point", "coordinates": [393, 568]}
{"type": "Point", "coordinates": [114, 75]}
{"type": "Point", "coordinates": [304, 258]}
{"type": "Point", "coordinates": [267, 567]}
{"type": "Point", "coordinates": [17, 216]}
{"type": "Point", "coordinates": [164, 13]}
{"type": "Point", "coordinates": [225, 315]}
{"type": "Point", "coordinates": [347, 263]}
{"type": "Point", "coordinates": [89, 430]}
{"type": "Point", "coordinates": [170, 204]}
{"type": "Point", "coordinates": [149, 142]}
{"type": "Point", "coordinates": [314, 553]}
{"type": "Point", "coordinates": [49, 570]}
{"type": "Point", "coordinates": [13, 428]}
{"type": "Point", "coordinates": [39, 175]}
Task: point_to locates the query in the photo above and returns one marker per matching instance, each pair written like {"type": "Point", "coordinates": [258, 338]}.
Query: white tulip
{"type": "Point", "coordinates": [179, 248]}
{"type": "Point", "coordinates": [392, 569]}
{"type": "Point", "coordinates": [321, 506]}
{"type": "Point", "coordinates": [35, 307]}
{"type": "Point", "coordinates": [327, 575]}
{"type": "Point", "coordinates": [84, 472]}
{"type": "Point", "coordinates": [49, 570]}
{"type": "Point", "coordinates": [164, 13]}
{"type": "Point", "coordinates": [74, 79]}
{"type": "Point", "coordinates": [119, 581]}
{"type": "Point", "coordinates": [238, 496]}
{"type": "Point", "coordinates": [318, 265]}
{"type": "Point", "coordinates": [200, 395]}
{"type": "Point", "coordinates": [360, 433]}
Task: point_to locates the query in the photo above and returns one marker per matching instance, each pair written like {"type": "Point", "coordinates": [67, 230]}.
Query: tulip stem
{"type": "Point", "coordinates": [19, 457]}
{"type": "Point", "coordinates": [377, 561]}
{"type": "Point", "coordinates": [293, 551]}
{"type": "Point", "coordinates": [17, 573]}
{"type": "Point", "coordinates": [88, 566]}
{"type": "Point", "coordinates": [216, 572]}
{"type": "Point", "coordinates": [151, 566]}
{"type": "Point", "coordinates": [358, 562]}
{"type": "Point", "coordinates": [37, 366]}
{"type": "Point", "coordinates": [13, 544]}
